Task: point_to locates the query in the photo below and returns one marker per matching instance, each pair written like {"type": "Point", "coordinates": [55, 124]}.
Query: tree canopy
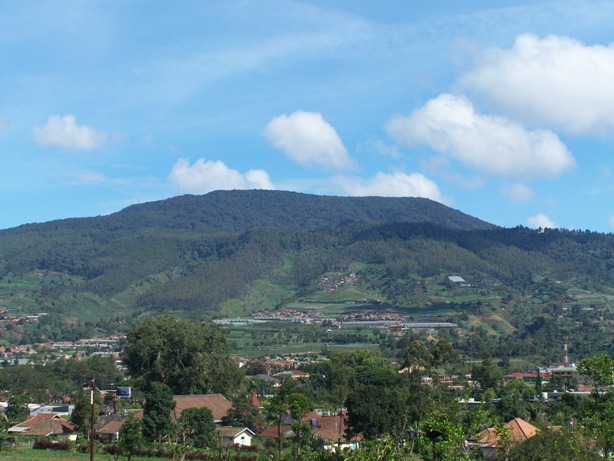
{"type": "Point", "coordinates": [190, 358]}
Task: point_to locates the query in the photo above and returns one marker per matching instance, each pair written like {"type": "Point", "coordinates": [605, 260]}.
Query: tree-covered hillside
{"type": "Point", "coordinates": [233, 252]}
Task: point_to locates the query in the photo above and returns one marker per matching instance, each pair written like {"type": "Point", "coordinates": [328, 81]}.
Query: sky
{"type": "Point", "coordinates": [503, 110]}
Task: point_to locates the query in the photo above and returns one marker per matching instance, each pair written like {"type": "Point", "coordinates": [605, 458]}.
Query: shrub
{"type": "Point", "coordinates": [112, 450]}
{"type": "Point", "coordinates": [43, 444]}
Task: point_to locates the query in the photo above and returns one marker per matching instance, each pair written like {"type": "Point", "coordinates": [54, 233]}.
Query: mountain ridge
{"type": "Point", "coordinates": [235, 252]}
{"type": "Point", "coordinates": [238, 210]}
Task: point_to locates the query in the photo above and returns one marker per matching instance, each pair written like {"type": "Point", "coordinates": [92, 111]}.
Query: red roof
{"type": "Point", "coordinates": [328, 428]}
{"type": "Point", "coordinates": [112, 427]}
{"type": "Point", "coordinates": [519, 431]}
{"type": "Point", "coordinates": [44, 424]}
{"type": "Point", "coordinates": [254, 400]}
{"type": "Point", "coordinates": [217, 403]}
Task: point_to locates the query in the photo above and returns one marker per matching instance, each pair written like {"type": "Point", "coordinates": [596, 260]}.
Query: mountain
{"type": "Point", "coordinates": [240, 210]}
{"type": "Point", "coordinates": [232, 252]}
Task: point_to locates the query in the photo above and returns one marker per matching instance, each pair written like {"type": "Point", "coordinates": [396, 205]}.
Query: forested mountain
{"type": "Point", "coordinates": [231, 252]}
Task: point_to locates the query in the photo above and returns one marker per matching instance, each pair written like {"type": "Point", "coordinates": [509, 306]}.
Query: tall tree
{"type": "Point", "coordinates": [487, 374]}
{"type": "Point", "coordinates": [190, 358]}
{"type": "Point", "coordinates": [197, 427]}
{"type": "Point", "coordinates": [131, 437]}
{"type": "Point", "coordinates": [299, 407]}
{"type": "Point", "coordinates": [157, 411]}
{"type": "Point", "coordinates": [277, 409]}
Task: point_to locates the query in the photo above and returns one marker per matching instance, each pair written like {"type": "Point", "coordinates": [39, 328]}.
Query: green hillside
{"type": "Point", "coordinates": [232, 253]}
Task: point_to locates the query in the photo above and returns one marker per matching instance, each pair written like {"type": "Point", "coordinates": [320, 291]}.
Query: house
{"type": "Point", "coordinates": [487, 442]}
{"type": "Point", "coordinates": [267, 378]}
{"type": "Point", "coordinates": [458, 281]}
{"type": "Point", "coordinates": [330, 429]}
{"type": "Point", "coordinates": [528, 378]}
{"type": "Point", "coordinates": [291, 374]}
{"type": "Point", "coordinates": [566, 374]}
{"type": "Point", "coordinates": [217, 403]}
{"type": "Point", "coordinates": [63, 409]}
{"type": "Point", "coordinates": [241, 436]}
{"type": "Point", "coordinates": [109, 432]}
{"type": "Point", "coordinates": [46, 425]}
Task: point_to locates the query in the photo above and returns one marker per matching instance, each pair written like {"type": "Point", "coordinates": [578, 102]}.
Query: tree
{"type": "Point", "coordinates": [17, 409]}
{"type": "Point", "coordinates": [597, 415]}
{"type": "Point", "coordinates": [417, 357]}
{"type": "Point", "coordinates": [568, 444]}
{"type": "Point", "coordinates": [599, 369]}
{"type": "Point", "coordinates": [375, 411]}
{"type": "Point", "coordinates": [444, 355]}
{"type": "Point", "coordinates": [131, 437]}
{"type": "Point", "coordinates": [487, 374]}
{"type": "Point", "coordinates": [299, 406]}
{"type": "Point", "coordinates": [445, 435]}
{"type": "Point", "coordinates": [198, 426]}
{"type": "Point", "coordinates": [157, 411]}
{"type": "Point", "coordinates": [190, 358]}
{"type": "Point", "coordinates": [515, 400]}
{"type": "Point", "coordinates": [276, 409]}
{"type": "Point", "coordinates": [244, 413]}
{"type": "Point", "coordinates": [82, 414]}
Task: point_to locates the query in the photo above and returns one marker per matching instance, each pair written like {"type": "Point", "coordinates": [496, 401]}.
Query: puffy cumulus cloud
{"type": "Point", "coordinates": [395, 184]}
{"type": "Point", "coordinates": [554, 81]}
{"type": "Point", "coordinates": [64, 131]}
{"type": "Point", "coordinates": [518, 192]}
{"type": "Point", "coordinates": [450, 125]}
{"type": "Point", "coordinates": [541, 220]}
{"type": "Point", "coordinates": [309, 140]}
{"type": "Point", "coordinates": [204, 176]}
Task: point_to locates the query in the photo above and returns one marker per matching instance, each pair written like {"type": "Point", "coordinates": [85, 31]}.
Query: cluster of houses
{"type": "Point", "coordinates": [329, 428]}
{"type": "Point", "coordinates": [45, 422]}
{"type": "Point", "coordinates": [53, 421]}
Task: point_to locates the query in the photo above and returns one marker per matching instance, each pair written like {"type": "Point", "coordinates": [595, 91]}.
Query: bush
{"type": "Point", "coordinates": [112, 450]}
{"type": "Point", "coordinates": [43, 444]}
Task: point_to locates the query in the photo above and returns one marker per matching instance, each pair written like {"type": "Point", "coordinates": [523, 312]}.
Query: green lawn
{"type": "Point", "coordinates": [24, 454]}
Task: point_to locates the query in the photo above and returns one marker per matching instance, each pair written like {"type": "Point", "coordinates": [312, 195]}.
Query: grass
{"type": "Point", "coordinates": [28, 454]}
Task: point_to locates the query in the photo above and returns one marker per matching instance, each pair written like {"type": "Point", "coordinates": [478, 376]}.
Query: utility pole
{"type": "Point", "coordinates": [92, 419]}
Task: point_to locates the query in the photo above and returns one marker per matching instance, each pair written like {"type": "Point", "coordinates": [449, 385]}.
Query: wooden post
{"type": "Point", "coordinates": [92, 420]}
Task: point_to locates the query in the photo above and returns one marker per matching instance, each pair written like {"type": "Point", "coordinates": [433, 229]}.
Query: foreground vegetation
{"type": "Point", "coordinates": [395, 410]}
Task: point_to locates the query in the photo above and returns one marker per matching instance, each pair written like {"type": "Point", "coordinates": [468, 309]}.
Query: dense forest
{"type": "Point", "coordinates": [197, 255]}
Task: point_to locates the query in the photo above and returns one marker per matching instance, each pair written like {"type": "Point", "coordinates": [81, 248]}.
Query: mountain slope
{"type": "Point", "coordinates": [246, 250]}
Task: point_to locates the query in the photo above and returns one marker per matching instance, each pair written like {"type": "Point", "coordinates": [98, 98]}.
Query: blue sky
{"type": "Point", "coordinates": [503, 110]}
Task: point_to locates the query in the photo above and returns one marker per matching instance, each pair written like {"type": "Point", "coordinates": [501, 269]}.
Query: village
{"type": "Point", "coordinates": [265, 378]}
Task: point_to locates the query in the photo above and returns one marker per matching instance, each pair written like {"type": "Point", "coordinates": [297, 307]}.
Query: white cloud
{"type": "Point", "coordinates": [555, 81]}
{"type": "Point", "coordinates": [541, 220]}
{"type": "Point", "coordinates": [518, 192]}
{"type": "Point", "coordinates": [64, 132]}
{"type": "Point", "coordinates": [309, 140]}
{"type": "Point", "coordinates": [450, 125]}
{"type": "Point", "coordinates": [396, 184]}
{"type": "Point", "coordinates": [204, 176]}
